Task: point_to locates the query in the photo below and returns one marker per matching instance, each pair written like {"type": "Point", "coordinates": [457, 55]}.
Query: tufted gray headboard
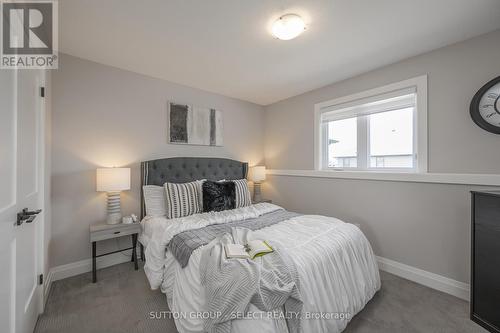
{"type": "Point", "coordinates": [186, 169]}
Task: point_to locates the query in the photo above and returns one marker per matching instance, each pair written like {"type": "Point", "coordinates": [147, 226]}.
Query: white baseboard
{"type": "Point", "coordinates": [47, 285]}
{"type": "Point", "coordinates": [84, 266]}
{"type": "Point", "coordinates": [428, 279]}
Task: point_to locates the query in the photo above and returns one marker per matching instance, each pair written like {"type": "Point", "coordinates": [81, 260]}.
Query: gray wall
{"type": "Point", "coordinates": [455, 73]}
{"type": "Point", "coordinates": [103, 117]}
{"type": "Point", "coordinates": [422, 225]}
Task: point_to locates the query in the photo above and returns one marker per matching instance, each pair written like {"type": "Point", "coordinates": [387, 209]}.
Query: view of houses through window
{"type": "Point", "coordinates": [372, 141]}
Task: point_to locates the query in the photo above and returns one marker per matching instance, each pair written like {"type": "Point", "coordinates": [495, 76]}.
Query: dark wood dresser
{"type": "Point", "coordinates": [485, 260]}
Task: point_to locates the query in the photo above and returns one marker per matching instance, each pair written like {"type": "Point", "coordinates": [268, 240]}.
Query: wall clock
{"type": "Point", "coordinates": [485, 107]}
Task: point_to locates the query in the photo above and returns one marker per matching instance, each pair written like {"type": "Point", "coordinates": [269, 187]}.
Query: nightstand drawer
{"type": "Point", "coordinates": [120, 230]}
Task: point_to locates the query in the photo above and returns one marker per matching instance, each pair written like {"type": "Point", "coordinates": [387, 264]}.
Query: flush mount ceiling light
{"type": "Point", "coordinates": [288, 27]}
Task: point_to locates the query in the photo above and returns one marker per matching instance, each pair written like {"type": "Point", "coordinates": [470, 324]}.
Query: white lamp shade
{"type": "Point", "coordinates": [258, 173]}
{"type": "Point", "coordinates": [113, 179]}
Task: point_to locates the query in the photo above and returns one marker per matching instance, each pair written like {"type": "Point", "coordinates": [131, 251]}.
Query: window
{"type": "Point", "coordinates": [342, 143]}
{"type": "Point", "coordinates": [378, 130]}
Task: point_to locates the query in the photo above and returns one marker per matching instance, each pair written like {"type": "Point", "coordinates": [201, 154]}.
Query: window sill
{"type": "Point", "coordinates": [439, 178]}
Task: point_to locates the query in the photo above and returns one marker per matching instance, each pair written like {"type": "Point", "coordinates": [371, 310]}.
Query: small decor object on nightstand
{"type": "Point", "coordinates": [127, 220]}
{"type": "Point", "coordinates": [112, 181]}
{"type": "Point", "coordinates": [257, 175]}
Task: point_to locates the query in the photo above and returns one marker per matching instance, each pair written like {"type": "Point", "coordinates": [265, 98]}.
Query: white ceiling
{"type": "Point", "coordinates": [224, 46]}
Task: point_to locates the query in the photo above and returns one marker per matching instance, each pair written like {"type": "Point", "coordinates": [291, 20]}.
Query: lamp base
{"type": "Point", "coordinates": [114, 218]}
{"type": "Point", "coordinates": [256, 193]}
{"type": "Point", "coordinates": [114, 208]}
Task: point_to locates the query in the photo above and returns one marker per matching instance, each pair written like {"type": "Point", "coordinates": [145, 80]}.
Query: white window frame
{"type": "Point", "coordinates": [419, 84]}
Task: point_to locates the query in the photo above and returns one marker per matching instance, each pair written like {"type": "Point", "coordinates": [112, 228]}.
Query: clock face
{"type": "Point", "coordinates": [485, 107]}
{"type": "Point", "coordinates": [489, 105]}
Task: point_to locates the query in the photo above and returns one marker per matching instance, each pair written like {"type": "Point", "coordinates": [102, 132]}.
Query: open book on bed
{"type": "Point", "coordinates": [251, 250]}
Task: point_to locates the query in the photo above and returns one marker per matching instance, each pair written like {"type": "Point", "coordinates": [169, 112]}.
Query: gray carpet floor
{"type": "Point", "coordinates": [121, 301]}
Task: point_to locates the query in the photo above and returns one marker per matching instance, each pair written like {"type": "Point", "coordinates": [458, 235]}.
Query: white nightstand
{"type": "Point", "coordinates": [263, 200]}
{"type": "Point", "coordinates": [99, 232]}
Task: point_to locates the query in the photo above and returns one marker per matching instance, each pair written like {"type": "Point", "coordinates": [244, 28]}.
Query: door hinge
{"type": "Point", "coordinates": [42, 91]}
{"type": "Point", "coordinates": [40, 279]}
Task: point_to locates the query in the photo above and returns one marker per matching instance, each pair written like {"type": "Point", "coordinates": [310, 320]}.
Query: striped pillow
{"type": "Point", "coordinates": [242, 193]}
{"type": "Point", "coordinates": [183, 199]}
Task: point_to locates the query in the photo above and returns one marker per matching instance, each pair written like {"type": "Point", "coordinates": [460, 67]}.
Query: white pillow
{"type": "Point", "coordinates": [154, 199]}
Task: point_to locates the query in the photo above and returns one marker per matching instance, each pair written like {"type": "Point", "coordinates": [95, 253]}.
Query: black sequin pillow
{"type": "Point", "coordinates": [218, 196]}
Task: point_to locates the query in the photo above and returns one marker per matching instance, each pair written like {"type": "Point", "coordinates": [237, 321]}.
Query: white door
{"type": "Point", "coordinates": [21, 186]}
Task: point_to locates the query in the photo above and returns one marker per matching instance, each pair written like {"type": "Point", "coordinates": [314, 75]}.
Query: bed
{"type": "Point", "coordinates": [336, 266]}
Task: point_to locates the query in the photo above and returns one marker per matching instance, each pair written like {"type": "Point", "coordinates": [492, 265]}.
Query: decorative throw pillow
{"type": "Point", "coordinates": [218, 196]}
{"type": "Point", "coordinates": [243, 197]}
{"type": "Point", "coordinates": [154, 200]}
{"type": "Point", "coordinates": [183, 199]}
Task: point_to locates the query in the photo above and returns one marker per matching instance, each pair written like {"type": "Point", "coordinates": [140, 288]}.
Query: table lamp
{"type": "Point", "coordinates": [257, 175]}
{"type": "Point", "coordinates": [112, 181]}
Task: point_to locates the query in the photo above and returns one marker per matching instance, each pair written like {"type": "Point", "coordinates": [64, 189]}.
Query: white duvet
{"type": "Point", "coordinates": [337, 269]}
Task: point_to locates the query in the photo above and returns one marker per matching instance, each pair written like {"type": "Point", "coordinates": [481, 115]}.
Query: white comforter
{"type": "Point", "coordinates": [337, 269]}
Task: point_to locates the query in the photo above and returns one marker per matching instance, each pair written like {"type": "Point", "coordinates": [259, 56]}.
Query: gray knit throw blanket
{"type": "Point", "coordinates": [269, 282]}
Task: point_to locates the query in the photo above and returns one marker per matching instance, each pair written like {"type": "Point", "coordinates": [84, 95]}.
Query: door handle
{"type": "Point", "coordinates": [27, 216]}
